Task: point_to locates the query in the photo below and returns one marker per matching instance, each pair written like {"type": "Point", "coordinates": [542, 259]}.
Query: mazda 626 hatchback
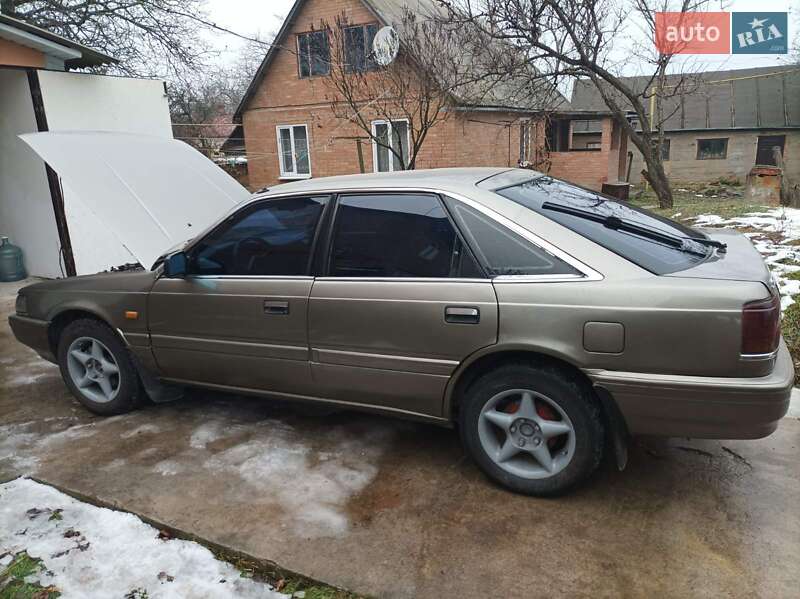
{"type": "Point", "coordinates": [540, 318]}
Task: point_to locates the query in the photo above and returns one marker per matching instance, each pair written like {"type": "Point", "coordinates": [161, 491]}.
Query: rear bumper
{"type": "Point", "coordinates": [701, 407]}
{"type": "Point", "coordinates": [33, 333]}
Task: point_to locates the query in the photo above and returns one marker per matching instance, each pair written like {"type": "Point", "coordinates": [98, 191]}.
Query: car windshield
{"type": "Point", "coordinates": [656, 244]}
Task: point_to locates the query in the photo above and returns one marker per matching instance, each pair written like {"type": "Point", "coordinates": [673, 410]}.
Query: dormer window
{"type": "Point", "coordinates": [313, 54]}
{"type": "Point", "coordinates": [358, 48]}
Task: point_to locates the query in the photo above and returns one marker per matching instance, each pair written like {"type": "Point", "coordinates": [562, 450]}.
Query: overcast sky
{"type": "Point", "coordinates": [264, 18]}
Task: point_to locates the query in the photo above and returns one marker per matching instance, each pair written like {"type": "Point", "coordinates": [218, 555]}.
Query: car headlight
{"type": "Point", "coordinates": [21, 306]}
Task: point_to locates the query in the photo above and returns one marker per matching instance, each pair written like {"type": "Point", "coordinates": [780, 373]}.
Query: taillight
{"type": "Point", "coordinates": [761, 325]}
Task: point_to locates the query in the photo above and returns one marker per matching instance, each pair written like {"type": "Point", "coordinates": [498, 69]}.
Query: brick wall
{"type": "Point", "coordinates": [591, 168]}
{"type": "Point", "coordinates": [462, 139]}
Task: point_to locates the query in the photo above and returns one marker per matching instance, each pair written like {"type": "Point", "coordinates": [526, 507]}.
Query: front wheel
{"type": "Point", "coordinates": [96, 367]}
{"type": "Point", "coordinates": [535, 429]}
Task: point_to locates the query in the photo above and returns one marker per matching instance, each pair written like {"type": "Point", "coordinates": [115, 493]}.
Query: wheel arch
{"type": "Point", "coordinates": [485, 360]}
{"type": "Point", "coordinates": [66, 315]}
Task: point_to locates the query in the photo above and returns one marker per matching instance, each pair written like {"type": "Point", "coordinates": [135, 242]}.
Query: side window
{"type": "Point", "coordinates": [313, 54]}
{"type": "Point", "coordinates": [502, 251]}
{"type": "Point", "coordinates": [402, 235]}
{"type": "Point", "coordinates": [273, 238]}
{"type": "Point", "coordinates": [712, 149]}
{"type": "Point", "coordinates": [358, 48]}
{"type": "Point", "coordinates": [394, 135]}
{"type": "Point", "coordinates": [293, 151]}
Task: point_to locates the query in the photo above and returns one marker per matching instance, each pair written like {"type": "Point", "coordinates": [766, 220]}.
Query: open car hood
{"type": "Point", "coordinates": [151, 192]}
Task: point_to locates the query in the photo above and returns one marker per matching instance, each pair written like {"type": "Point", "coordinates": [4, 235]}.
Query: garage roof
{"type": "Point", "coordinates": [74, 55]}
{"type": "Point", "coordinates": [764, 97]}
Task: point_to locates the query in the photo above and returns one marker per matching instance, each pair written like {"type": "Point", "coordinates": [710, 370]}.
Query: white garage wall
{"type": "Point", "coordinates": [79, 101]}
{"type": "Point", "coordinates": [26, 210]}
{"type": "Point", "coordinates": [76, 101]}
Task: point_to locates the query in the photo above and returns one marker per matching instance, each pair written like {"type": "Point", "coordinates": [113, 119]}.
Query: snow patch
{"type": "Point", "coordinates": [205, 434]}
{"type": "Point", "coordinates": [97, 552]}
{"type": "Point", "coordinates": [168, 467]}
{"type": "Point", "coordinates": [794, 404]}
{"type": "Point", "coordinates": [30, 372]}
{"type": "Point", "coordinates": [145, 429]}
{"type": "Point", "coordinates": [785, 222]}
{"type": "Point", "coordinates": [312, 489]}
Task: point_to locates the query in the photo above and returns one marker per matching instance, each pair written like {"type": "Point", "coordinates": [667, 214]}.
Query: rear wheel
{"type": "Point", "coordinates": [96, 367]}
{"type": "Point", "coordinates": [535, 429]}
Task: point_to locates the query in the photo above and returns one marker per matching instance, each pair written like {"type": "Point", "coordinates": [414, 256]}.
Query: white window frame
{"type": "Point", "coordinates": [375, 144]}
{"type": "Point", "coordinates": [293, 174]}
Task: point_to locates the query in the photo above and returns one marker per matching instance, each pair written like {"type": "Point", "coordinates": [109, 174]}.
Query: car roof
{"type": "Point", "coordinates": [439, 178]}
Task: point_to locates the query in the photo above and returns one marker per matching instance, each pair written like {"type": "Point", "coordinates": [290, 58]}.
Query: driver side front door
{"type": "Point", "coordinates": [238, 319]}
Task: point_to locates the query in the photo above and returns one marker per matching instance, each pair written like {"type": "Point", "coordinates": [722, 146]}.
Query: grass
{"type": "Point", "coordinates": [689, 205]}
{"type": "Point", "coordinates": [316, 592]}
{"type": "Point", "coordinates": [282, 581]}
{"type": "Point", "coordinates": [12, 580]}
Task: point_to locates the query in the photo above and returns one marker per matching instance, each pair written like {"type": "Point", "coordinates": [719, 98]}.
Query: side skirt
{"type": "Point", "coordinates": [386, 411]}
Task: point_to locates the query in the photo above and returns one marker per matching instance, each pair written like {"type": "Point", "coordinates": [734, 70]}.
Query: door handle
{"type": "Point", "coordinates": [278, 308]}
{"type": "Point", "coordinates": [462, 315]}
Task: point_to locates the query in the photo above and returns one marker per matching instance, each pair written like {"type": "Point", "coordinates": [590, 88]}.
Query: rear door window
{"type": "Point", "coordinates": [397, 235]}
{"type": "Point", "coordinates": [551, 197]}
{"type": "Point", "coordinates": [503, 252]}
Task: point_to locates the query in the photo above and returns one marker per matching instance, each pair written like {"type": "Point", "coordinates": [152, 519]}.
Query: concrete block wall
{"type": "Point", "coordinates": [683, 164]}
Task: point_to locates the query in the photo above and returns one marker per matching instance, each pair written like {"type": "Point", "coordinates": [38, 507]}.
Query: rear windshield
{"type": "Point", "coordinates": [554, 199]}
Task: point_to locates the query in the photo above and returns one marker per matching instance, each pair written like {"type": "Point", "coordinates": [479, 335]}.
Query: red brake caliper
{"type": "Point", "coordinates": [548, 413]}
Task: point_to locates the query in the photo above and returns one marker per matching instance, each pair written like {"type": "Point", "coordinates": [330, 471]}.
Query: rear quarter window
{"type": "Point", "coordinates": [501, 251]}
{"type": "Point", "coordinates": [652, 255]}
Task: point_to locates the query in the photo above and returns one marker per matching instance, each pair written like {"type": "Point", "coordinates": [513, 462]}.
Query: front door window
{"type": "Point", "coordinates": [270, 238]}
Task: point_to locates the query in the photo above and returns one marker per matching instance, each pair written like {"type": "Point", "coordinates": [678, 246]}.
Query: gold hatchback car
{"type": "Point", "coordinates": [544, 320]}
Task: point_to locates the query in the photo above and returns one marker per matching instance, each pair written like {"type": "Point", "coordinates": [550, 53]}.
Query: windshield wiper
{"type": "Point", "coordinates": [617, 224]}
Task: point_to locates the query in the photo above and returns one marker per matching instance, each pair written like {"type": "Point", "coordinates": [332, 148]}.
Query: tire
{"type": "Point", "coordinates": [99, 353]}
{"type": "Point", "coordinates": [555, 440]}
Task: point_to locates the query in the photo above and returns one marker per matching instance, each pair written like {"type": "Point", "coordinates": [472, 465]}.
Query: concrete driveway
{"type": "Point", "coordinates": [395, 509]}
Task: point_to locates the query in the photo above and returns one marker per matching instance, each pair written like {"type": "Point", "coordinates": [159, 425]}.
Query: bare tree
{"type": "Point", "coordinates": [202, 104]}
{"type": "Point", "coordinates": [149, 37]}
{"type": "Point", "coordinates": [575, 38]}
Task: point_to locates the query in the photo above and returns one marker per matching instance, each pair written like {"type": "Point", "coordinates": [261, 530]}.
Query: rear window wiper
{"type": "Point", "coordinates": [721, 246]}
{"type": "Point", "coordinates": [617, 224]}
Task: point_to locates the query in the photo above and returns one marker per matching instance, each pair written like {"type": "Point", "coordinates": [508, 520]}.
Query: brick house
{"type": "Point", "coordinates": [291, 132]}
{"type": "Point", "coordinates": [726, 123]}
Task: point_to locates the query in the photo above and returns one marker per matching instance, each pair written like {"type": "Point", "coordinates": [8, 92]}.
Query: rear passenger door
{"type": "Point", "coordinates": [401, 301]}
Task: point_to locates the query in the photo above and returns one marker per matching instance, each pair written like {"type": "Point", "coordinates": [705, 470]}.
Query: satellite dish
{"type": "Point", "coordinates": [385, 45]}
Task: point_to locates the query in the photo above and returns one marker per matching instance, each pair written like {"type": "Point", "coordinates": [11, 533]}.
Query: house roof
{"type": "Point", "coordinates": [74, 55]}
{"type": "Point", "coordinates": [512, 93]}
{"type": "Point", "coordinates": [759, 98]}
{"type": "Point", "coordinates": [235, 141]}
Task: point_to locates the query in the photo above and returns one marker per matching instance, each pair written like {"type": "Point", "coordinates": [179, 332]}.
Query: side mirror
{"type": "Point", "coordinates": [175, 265]}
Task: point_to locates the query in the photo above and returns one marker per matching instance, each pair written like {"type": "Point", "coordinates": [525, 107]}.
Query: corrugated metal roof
{"type": "Point", "coordinates": [765, 97]}
{"type": "Point", "coordinates": [88, 58]}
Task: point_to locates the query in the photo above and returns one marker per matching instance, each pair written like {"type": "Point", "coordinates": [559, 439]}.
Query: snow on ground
{"type": "Point", "coordinates": [785, 222]}
{"type": "Point", "coordinates": [794, 404]}
{"type": "Point", "coordinates": [90, 552]}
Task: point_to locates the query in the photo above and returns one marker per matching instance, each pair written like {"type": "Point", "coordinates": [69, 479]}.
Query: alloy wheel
{"type": "Point", "coordinates": [93, 369]}
{"type": "Point", "coordinates": [526, 434]}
